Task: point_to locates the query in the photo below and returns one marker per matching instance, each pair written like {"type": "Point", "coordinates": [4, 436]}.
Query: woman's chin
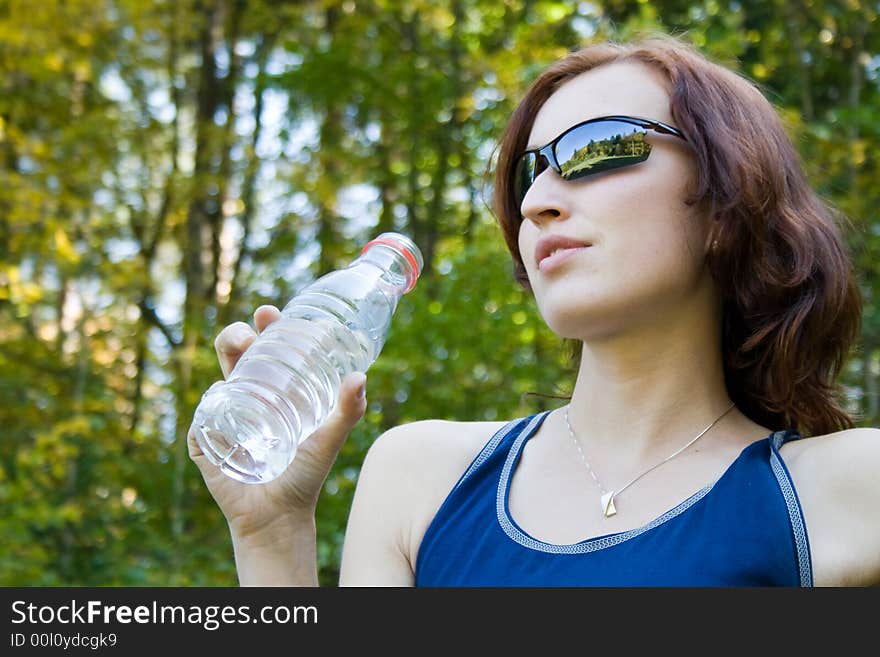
{"type": "Point", "coordinates": [587, 320]}
{"type": "Point", "coordinates": [579, 328]}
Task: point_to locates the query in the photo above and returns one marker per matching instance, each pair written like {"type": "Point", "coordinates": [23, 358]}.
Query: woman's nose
{"type": "Point", "coordinates": [547, 198]}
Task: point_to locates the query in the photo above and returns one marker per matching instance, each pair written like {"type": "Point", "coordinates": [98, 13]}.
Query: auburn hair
{"type": "Point", "coordinates": [790, 301]}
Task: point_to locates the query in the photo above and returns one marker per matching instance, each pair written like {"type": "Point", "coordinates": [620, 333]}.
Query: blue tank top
{"type": "Point", "coordinates": [745, 529]}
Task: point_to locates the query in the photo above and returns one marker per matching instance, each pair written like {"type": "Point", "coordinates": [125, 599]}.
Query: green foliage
{"type": "Point", "coordinates": [166, 167]}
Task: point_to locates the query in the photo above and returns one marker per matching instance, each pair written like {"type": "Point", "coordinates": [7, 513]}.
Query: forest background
{"type": "Point", "coordinates": [168, 166]}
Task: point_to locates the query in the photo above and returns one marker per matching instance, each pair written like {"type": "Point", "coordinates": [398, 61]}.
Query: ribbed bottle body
{"type": "Point", "coordinates": [286, 383]}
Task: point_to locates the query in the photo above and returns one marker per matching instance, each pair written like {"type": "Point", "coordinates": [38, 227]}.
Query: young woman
{"type": "Point", "coordinates": [656, 210]}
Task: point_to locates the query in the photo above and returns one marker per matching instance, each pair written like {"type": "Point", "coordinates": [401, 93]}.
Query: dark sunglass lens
{"type": "Point", "coordinates": [525, 174]}
{"type": "Point", "coordinates": [597, 147]}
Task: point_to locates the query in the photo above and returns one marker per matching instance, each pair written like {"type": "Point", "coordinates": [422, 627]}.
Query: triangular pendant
{"type": "Point", "coordinates": [608, 504]}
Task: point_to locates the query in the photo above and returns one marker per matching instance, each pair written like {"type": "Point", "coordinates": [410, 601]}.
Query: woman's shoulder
{"type": "Point", "coordinates": [422, 461]}
{"type": "Point", "coordinates": [444, 445]}
{"type": "Point", "coordinates": [835, 476]}
{"type": "Point", "coordinates": [843, 454]}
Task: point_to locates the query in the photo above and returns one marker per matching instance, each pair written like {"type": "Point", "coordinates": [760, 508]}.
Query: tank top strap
{"type": "Point", "coordinates": [789, 494]}
{"type": "Point", "coordinates": [502, 440]}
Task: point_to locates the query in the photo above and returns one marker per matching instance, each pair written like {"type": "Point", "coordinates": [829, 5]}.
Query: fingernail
{"type": "Point", "coordinates": [362, 389]}
{"type": "Point", "coordinates": [239, 335]}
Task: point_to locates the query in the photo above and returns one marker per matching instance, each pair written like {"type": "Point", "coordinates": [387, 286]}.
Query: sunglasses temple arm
{"type": "Point", "coordinates": [659, 127]}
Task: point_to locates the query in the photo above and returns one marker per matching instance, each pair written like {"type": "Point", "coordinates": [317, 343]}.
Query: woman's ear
{"type": "Point", "coordinates": [711, 244]}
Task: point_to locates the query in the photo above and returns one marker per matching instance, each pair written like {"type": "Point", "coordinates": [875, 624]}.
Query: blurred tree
{"type": "Point", "coordinates": [166, 167]}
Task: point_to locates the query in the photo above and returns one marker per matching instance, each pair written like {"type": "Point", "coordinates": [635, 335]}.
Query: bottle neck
{"type": "Point", "coordinates": [399, 272]}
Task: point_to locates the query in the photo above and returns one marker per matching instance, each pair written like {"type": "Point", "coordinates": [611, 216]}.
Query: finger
{"type": "Point", "coordinates": [265, 315]}
{"type": "Point", "coordinates": [196, 454]}
{"type": "Point", "coordinates": [193, 446]}
{"type": "Point", "coordinates": [231, 343]}
{"type": "Point", "coordinates": [350, 408]}
{"type": "Point", "coordinates": [209, 471]}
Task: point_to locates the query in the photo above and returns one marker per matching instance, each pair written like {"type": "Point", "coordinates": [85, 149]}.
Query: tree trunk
{"type": "Point", "coordinates": [226, 141]}
{"type": "Point", "coordinates": [197, 223]}
{"type": "Point", "coordinates": [386, 177]}
{"type": "Point", "coordinates": [327, 187]}
{"type": "Point", "coordinates": [249, 184]}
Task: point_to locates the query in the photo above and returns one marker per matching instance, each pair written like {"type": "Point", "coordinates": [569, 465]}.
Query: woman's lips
{"type": "Point", "coordinates": [555, 261]}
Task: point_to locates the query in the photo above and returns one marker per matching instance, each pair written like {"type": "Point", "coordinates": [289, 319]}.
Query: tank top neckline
{"type": "Point", "coordinates": [519, 535]}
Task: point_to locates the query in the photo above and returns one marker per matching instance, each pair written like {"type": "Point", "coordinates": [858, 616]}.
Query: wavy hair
{"type": "Point", "coordinates": [790, 300]}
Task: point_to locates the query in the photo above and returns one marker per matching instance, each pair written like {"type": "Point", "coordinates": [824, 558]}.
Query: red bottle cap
{"type": "Point", "coordinates": [402, 249]}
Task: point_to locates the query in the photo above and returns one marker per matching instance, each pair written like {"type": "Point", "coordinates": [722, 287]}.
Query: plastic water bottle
{"type": "Point", "coordinates": [286, 383]}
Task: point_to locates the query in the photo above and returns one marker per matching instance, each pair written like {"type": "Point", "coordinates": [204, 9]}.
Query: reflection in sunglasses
{"type": "Point", "coordinates": [612, 152]}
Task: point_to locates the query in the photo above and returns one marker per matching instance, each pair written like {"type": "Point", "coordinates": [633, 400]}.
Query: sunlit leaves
{"type": "Point", "coordinates": [376, 114]}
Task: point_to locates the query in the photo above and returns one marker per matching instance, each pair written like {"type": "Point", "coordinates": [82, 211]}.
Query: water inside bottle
{"type": "Point", "coordinates": [240, 432]}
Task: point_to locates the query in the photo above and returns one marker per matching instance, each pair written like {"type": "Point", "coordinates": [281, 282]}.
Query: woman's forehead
{"type": "Point", "coordinates": [622, 88]}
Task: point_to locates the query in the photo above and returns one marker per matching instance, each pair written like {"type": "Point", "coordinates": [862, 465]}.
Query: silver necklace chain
{"type": "Point", "coordinates": [608, 496]}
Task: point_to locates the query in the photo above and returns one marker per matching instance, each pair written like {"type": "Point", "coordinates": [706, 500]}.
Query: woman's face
{"type": "Point", "coordinates": [647, 247]}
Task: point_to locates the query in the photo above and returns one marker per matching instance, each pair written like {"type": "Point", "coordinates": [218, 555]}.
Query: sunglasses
{"type": "Point", "coordinates": [588, 148]}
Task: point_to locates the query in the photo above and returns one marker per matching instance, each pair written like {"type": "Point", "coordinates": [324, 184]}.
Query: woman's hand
{"type": "Point", "coordinates": [289, 501]}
